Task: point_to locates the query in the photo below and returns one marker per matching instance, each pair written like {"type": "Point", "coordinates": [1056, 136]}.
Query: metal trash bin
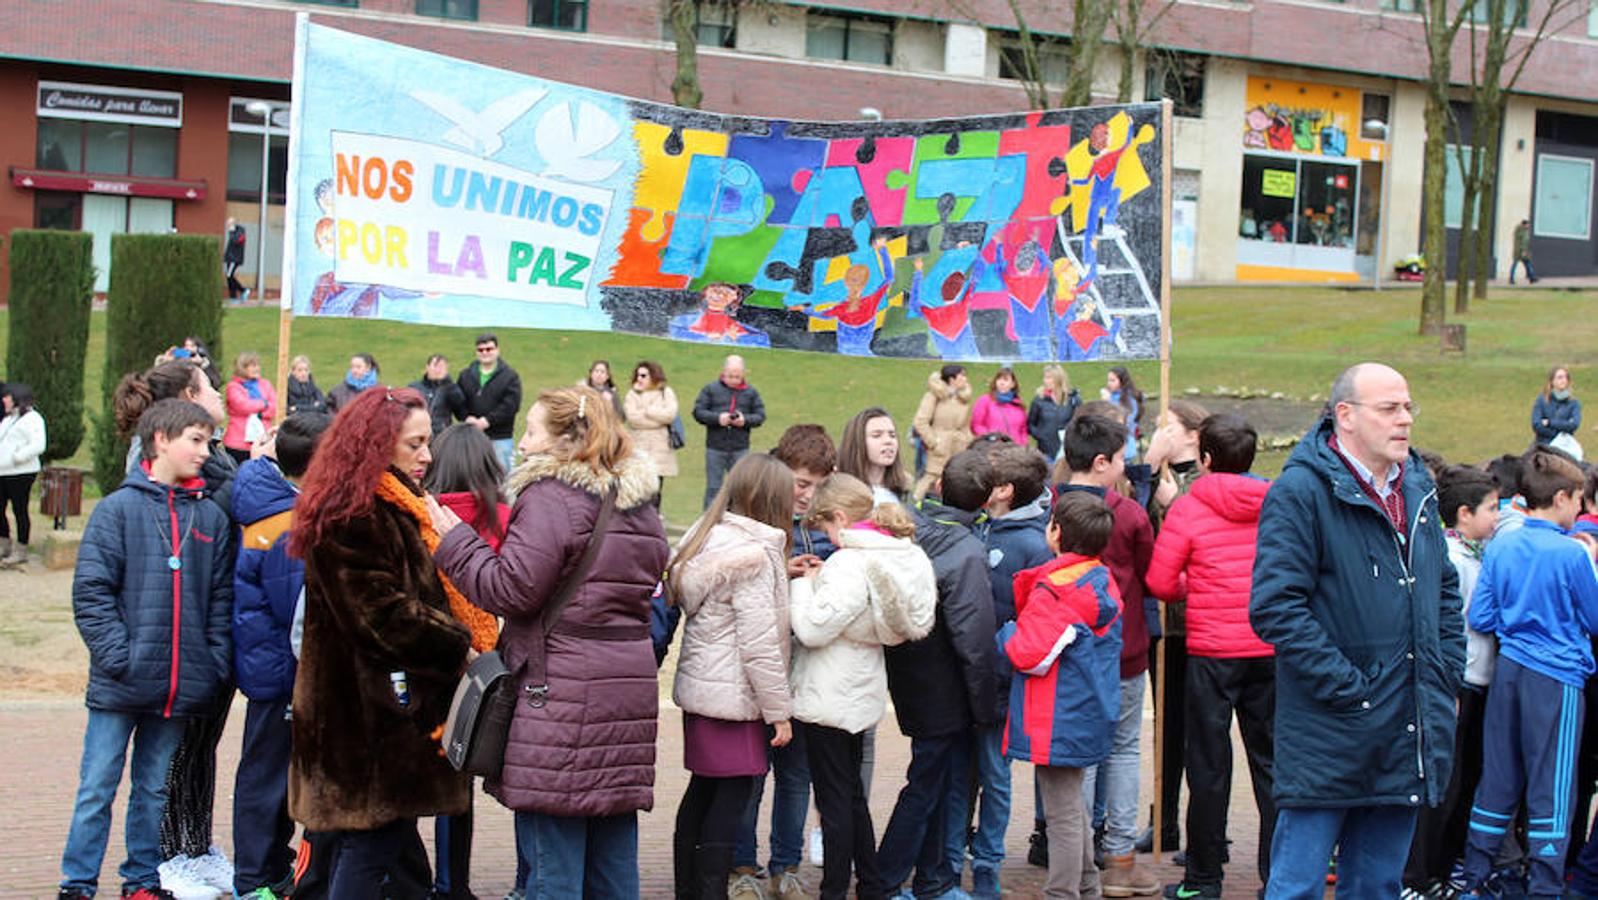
{"type": "Point", "coordinates": [61, 494]}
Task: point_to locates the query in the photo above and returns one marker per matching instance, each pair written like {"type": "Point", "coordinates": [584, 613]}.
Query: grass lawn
{"type": "Point", "coordinates": [1293, 340]}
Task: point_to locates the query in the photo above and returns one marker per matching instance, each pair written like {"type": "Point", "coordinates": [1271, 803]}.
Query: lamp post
{"type": "Point", "coordinates": [264, 110]}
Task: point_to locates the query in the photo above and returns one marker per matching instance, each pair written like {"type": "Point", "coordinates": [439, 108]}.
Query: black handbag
{"type": "Point", "coordinates": [478, 726]}
{"type": "Point", "coordinates": [676, 436]}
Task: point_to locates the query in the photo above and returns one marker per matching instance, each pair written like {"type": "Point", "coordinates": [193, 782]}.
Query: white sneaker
{"type": "Point", "coordinates": [180, 877]}
{"type": "Point", "coordinates": [215, 869]}
{"type": "Point", "coordinates": [817, 848]}
{"type": "Point", "coordinates": [745, 887]}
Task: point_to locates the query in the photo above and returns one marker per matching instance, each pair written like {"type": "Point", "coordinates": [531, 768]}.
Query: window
{"type": "Point", "coordinates": [350, 3]}
{"type": "Point", "coordinates": [1563, 202]}
{"type": "Point", "coordinates": [1454, 184]}
{"type": "Point", "coordinates": [1373, 112]}
{"type": "Point", "coordinates": [244, 167]}
{"type": "Point", "coordinates": [1270, 189]}
{"type": "Point", "coordinates": [1053, 58]}
{"type": "Point", "coordinates": [1511, 12]}
{"type": "Point", "coordinates": [1178, 76]}
{"type": "Point", "coordinates": [107, 148]}
{"type": "Point", "coordinates": [567, 15]}
{"type": "Point", "coordinates": [851, 38]}
{"type": "Point", "coordinates": [1408, 6]}
{"type": "Point", "coordinates": [715, 24]}
{"type": "Point", "coordinates": [448, 9]}
{"type": "Point", "coordinates": [1592, 19]}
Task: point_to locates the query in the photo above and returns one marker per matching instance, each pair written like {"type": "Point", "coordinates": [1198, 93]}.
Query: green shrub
{"type": "Point", "coordinates": [52, 290]}
{"type": "Point", "coordinates": [164, 287]}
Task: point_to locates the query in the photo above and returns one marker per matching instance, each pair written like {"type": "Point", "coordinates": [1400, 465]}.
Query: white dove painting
{"type": "Point", "coordinates": [480, 132]}
{"type": "Point", "coordinates": [569, 135]}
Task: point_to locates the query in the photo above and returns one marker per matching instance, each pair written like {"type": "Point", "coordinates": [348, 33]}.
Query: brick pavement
{"type": "Point", "coordinates": [43, 739]}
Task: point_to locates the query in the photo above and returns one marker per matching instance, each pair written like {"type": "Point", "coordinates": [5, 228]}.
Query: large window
{"type": "Point", "coordinates": [852, 38]}
{"type": "Point", "coordinates": [1454, 184]}
{"type": "Point", "coordinates": [1179, 76]}
{"type": "Point", "coordinates": [1054, 58]}
{"type": "Point", "coordinates": [448, 9]}
{"type": "Point", "coordinates": [244, 168]}
{"type": "Point", "coordinates": [1408, 6]}
{"type": "Point", "coordinates": [715, 24]}
{"type": "Point", "coordinates": [1511, 12]}
{"type": "Point", "coordinates": [1563, 202]}
{"type": "Point", "coordinates": [1293, 201]}
{"type": "Point", "coordinates": [567, 15]}
{"type": "Point", "coordinates": [107, 148]}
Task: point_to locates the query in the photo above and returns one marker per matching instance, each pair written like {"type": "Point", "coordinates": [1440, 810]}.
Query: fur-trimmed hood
{"type": "Point", "coordinates": [636, 482]}
{"type": "Point", "coordinates": [945, 391]}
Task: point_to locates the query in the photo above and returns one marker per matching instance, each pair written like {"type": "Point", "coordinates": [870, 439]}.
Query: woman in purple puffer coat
{"type": "Point", "coordinates": [580, 763]}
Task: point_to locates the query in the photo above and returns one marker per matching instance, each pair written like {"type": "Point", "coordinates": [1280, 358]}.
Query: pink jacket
{"type": "Point", "coordinates": [1205, 553]}
{"type": "Point", "coordinates": [240, 406]}
{"type": "Point", "coordinates": [988, 414]}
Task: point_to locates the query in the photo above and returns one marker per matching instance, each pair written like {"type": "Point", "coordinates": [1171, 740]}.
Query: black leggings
{"type": "Point", "coordinates": [14, 491]}
{"type": "Point", "coordinates": [708, 820]}
{"type": "Point", "coordinates": [191, 781]}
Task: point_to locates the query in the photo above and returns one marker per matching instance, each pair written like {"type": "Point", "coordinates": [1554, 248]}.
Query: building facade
{"type": "Point", "coordinates": [1297, 143]}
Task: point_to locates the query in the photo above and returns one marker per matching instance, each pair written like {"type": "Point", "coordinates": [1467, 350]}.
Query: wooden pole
{"type": "Point", "coordinates": [285, 322]}
{"type": "Point", "coordinates": [1165, 405]}
{"type": "Point", "coordinates": [285, 315]}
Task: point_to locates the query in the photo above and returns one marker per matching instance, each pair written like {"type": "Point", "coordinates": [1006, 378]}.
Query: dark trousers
{"type": "Point", "coordinates": [452, 856]}
{"type": "Point", "coordinates": [708, 819]}
{"type": "Point", "coordinates": [262, 829]}
{"type": "Point", "coordinates": [234, 288]}
{"type": "Point", "coordinates": [1440, 830]}
{"type": "Point", "coordinates": [319, 855]}
{"type": "Point", "coordinates": [846, 832]}
{"type": "Point", "coordinates": [372, 864]}
{"type": "Point", "coordinates": [14, 491]}
{"type": "Point", "coordinates": [915, 836]}
{"type": "Point", "coordinates": [1530, 734]}
{"type": "Point", "coordinates": [717, 464]}
{"type": "Point", "coordinates": [1586, 769]}
{"type": "Point", "coordinates": [1216, 688]}
{"type": "Point", "coordinates": [191, 781]}
{"type": "Point", "coordinates": [1531, 274]}
{"type": "Point", "coordinates": [1173, 722]}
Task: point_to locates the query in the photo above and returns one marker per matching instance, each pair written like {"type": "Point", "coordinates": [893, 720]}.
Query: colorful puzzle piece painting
{"type": "Point", "coordinates": [429, 189]}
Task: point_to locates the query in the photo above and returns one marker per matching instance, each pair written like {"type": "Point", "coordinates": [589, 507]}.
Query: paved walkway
{"type": "Point", "coordinates": [43, 739]}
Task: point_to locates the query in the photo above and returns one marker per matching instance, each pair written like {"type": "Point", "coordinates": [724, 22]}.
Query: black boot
{"type": "Point", "coordinates": [712, 864]}
{"type": "Point", "coordinates": [1037, 853]}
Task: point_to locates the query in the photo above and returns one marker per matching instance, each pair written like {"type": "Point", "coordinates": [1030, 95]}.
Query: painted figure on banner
{"type": "Point", "coordinates": [716, 321]}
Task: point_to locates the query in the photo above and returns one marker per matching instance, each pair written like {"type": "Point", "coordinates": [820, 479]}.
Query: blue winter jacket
{"type": "Point", "coordinates": [1564, 417]}
{"type": "Point", "coordinates": [157, 636]}
{"type": "Point", "coordinates": [1370, 645]}
{"type": "Point", "coordinates": [266, 582]}
{"type": "Point", "coordinates": [1015, 541]}
{"type": "Point", "coordinates": [1538, 594]}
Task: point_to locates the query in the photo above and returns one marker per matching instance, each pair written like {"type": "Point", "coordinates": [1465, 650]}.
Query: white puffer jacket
{"type": "Point", "coordinates": [875, 591]}
{"type": "Point", "coordinates": [734, 597]}
{"type": "Point", "coordinates": [21, 443]}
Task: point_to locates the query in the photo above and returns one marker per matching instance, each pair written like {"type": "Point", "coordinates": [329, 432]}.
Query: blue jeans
{"type": "Point", "coordinates": [105, 748]}
{"type": "Point", "coordinates": [1120, 773]}
{"type": "Point", "coordinates": [505, 449]}
{"type": "Point", "coordinates": [986, 751]}
{"type": "Point", "coordinates": [580, 857]}
{"type": "Point", "coordinates": [717, 464]}
{"type": "Point", "coordinates": [1372, 843]}
{"type": "Point", "coordinates": [914, 838]}
{"type": "Point", "coordinates": [790, 806]}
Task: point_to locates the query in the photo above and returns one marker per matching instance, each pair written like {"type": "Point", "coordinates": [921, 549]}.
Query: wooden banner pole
{"type": "Point", "coordinates": [1165, 405]}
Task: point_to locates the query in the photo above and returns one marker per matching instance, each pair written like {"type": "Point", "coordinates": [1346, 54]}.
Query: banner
{"type": "Point", "coordinates": [430, 189]}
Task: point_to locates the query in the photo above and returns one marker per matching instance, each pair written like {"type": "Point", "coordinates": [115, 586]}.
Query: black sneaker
{"type": "Point", "coordinates": [1185, 891]}
{"type": "Point", "coordinates": [1037, 852]}
{"type": "Point", "coordinates": [73, 894]}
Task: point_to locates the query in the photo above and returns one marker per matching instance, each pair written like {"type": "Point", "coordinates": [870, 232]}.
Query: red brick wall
{"type": "Point", "coordinates": [202, 155]}
{"type": "Point", "coordinates": [17, 148]}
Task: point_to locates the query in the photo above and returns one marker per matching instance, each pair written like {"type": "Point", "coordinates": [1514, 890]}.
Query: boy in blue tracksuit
{"type": "Point", "coordinates": [1538, 593]}
{"type": "Point", "coordinates": [266, 588]}
{"type": "Point", "coordinates": [1014, 535]}
{"type": "Point", "coordinates": [151, 597]}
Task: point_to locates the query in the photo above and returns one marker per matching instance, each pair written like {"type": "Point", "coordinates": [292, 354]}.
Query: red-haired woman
{"type": "Point", "coordinates": [383, 646]}
{"type": "Point", "coordinates": [581, 759]}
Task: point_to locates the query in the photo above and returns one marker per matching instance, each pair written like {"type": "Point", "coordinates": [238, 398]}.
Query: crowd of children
{"type": "Point", "coordinates": [1009, 614]}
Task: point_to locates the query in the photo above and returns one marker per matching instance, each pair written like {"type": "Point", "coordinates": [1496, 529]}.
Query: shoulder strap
{"type": "Point", "coordinates": [538, 653]}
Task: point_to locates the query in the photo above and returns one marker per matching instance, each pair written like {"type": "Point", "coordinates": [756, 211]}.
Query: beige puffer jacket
{"type": "Point", "coordinates": [649, 414]}
{"type": "Point", "coordinates": [734, 597]}
{"type": "Point", "coordinates": [875, 591]}
{"type": "Point", "coordinates": [943, 421]}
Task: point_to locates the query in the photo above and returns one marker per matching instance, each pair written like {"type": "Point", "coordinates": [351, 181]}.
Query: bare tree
{"type": "Point", "coordinates": [1441, 28]}
{"type": "Point", "coordinates": [683, 16]}
{"type": "Point", "coordinates": [1134, 21]}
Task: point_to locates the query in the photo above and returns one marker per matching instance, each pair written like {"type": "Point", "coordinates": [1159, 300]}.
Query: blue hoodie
{"type": "Point", "coordinates": [266, 583]}
{"type": "Point", "coordinates": [1538, 592]}
{"type": "Point", "coordinates": [1015, 541]}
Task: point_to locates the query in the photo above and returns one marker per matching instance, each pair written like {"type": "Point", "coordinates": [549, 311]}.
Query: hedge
{"type": "Point", "coordinates": [164, 287]}
{"type": "Point", "coordinates": [52, 290]}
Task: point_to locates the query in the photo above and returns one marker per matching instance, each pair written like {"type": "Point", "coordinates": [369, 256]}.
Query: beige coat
{"type": "Point", "coordinates": [943, 422]}
{"type": "Point", "coordinates": [734, 597]}
{"type": "Point", "coordinates": [649, 413]}
{"type": "Point", "coordinates": [874, 591]}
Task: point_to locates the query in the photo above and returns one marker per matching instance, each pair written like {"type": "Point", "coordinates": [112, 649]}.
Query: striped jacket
{"type": "Point", "coordinates": [1065, 644]}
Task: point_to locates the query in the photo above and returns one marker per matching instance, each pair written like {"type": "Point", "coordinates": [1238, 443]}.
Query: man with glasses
{"type": "Point", "coordinates": [493, 397]}
{"type": "Point", "coordinates": [1353, 587]}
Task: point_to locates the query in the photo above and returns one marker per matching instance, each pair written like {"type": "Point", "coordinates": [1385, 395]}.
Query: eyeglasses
{"type": "Point", "coordinates": [489, 349]}
{"type": "Point", "coordinates": [1389, 408]}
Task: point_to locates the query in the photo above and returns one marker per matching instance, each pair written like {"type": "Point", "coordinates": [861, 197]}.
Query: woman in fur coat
{"type": "Point", "coordinates": [730, 579]}
{"type": "Point", "coordinates": [580, 762]}
{"type": "Point", "coordinates": [383, 647]}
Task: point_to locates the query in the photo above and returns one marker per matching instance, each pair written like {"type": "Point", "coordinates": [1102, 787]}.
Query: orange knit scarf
{"type": "Point", "coordinates": [483, 626]}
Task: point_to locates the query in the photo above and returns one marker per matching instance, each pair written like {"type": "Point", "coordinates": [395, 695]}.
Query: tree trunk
{"type": "Point", "coordinates": [1091, 18]}
{"type": "Point", "coordinates": [1434, 242]}
{"type": "Point", "coordinates": [685, 90]}
{"type": "Point", "coordinates": [1033, 80]}
{"type": "Point", "coordinates": [1467, 236]}
{"type": "Point", "coordinates": [1127, 33]}
{"type": "Point", "coordinates": [1492, 135]}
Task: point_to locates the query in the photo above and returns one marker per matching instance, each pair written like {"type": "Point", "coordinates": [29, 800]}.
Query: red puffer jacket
{"type": "Point", "coordinates": [1205, 553]}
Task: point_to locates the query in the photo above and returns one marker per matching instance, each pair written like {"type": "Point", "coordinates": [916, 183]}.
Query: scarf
{"type": "Point", "coordinates": [1561, 395]}
{"type": "Point", "coordinates": [252, 386]}
{"type": "Point", "coordinates": [1476, 549]}
{"type": "Point", "coordinates": [363, 382]}
{"type": "Point", "coordinates": [1005, 397]}
{"type": "Point", "coordinates": [483, 626]}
